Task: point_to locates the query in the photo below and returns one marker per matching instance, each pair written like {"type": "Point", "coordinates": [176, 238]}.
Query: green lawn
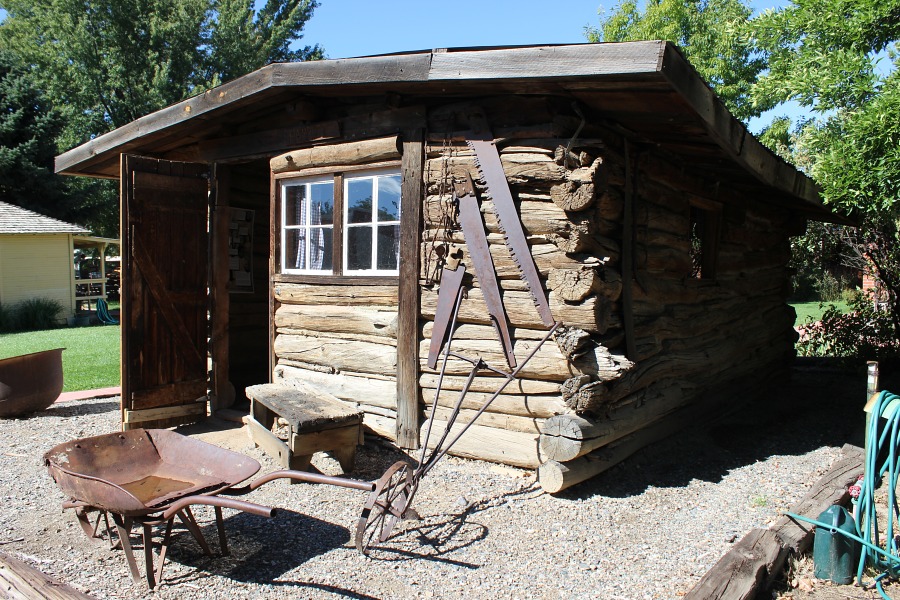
{"type": "Point", "coordinates": [813, 310]}
{"type": "Point", "coordinates": [91, 359]}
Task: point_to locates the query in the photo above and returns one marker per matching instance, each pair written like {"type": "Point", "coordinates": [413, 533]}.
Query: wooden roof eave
{"type": "Point", "coordinates": [798, 191]}
{"type": "Point", "coordinates": [534, 68]}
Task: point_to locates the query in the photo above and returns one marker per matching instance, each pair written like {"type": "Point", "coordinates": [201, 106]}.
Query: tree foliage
{"type": "Point", "coordinates": [822, 53]}
{"type": "Point", "coordinates": [711, 33]}
{"type": "Point", "coordinates": [830, 57]}
{"type": "Point", "coordinates": [104, 63]}
{"type": "Point", "coordinates": [28, 129]}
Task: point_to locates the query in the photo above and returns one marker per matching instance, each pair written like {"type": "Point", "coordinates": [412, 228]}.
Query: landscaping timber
{"type": "Point", "coordinates": [759, 557]}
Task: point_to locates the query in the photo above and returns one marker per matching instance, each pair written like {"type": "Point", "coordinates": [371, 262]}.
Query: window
{"type": "Point", "coordinates": [704, 238]}
{"type": "Point", "coordinates": [308, 226]}
{"type": "Point", "coordinates": [342, 224]}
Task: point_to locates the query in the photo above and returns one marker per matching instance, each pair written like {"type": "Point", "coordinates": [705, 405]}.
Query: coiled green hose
{"type": "Point", "coordinates": [882, 436]}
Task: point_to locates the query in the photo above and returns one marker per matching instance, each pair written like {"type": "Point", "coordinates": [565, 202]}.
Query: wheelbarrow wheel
{"type": "Point", "coordinates": [387, 505]}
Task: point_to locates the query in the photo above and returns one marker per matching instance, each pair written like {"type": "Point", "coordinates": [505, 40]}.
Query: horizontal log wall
{"type": "Point", "coordinates": [570, 215]}
{"type": "Point", "coordinates": [691, 335]}
{"type": "Point", "coordinates": [342, 339]}
{"type": "Point", "coordinates": [685, 335]}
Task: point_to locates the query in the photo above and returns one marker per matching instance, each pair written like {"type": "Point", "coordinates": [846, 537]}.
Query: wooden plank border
{"type": "Point", "coordinates": [758, 559]}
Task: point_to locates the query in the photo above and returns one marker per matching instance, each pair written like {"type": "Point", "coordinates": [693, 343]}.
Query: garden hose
{"type": "Point", "coordinates": [883, 438]}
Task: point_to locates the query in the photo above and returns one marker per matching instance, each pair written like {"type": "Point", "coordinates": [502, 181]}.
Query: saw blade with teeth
{"type": "Point", "coordinates": [480, 255]}
{"type": "Point", "coordinates": [487, 159]}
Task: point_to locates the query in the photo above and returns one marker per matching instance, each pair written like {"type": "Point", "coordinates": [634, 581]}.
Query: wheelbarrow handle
{"type": "Point", "coordinates": [248, 507]}
{"type": "Point", "coordinates": [356, 484]}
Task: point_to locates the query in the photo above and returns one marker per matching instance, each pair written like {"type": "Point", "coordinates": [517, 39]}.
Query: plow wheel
{"type": "Point", "coordinates": [387, 505]}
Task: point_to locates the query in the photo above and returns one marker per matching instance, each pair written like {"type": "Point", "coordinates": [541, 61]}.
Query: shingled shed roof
{"type": "Point", "coordinates": [647, 88]}
{"type": "Point", "coordinates": [14, 219]}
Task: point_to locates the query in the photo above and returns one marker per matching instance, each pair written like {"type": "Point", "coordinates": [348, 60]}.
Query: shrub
{"type": "Point", "coordinates": [7, 319]}
{"type": "Point", "coordinates": [36, 313]}
{"type": "Point", "coordinates": [864, 332]}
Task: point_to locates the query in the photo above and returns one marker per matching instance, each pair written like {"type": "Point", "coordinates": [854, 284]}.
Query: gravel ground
{"type": "Point", "coordinates": [648, 528]}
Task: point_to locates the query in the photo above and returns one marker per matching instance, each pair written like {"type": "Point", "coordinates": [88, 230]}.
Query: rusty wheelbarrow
{"type": "Point", "coordinates": [144, 476]}
{"type": "Point", "coordinates": [30, 382]}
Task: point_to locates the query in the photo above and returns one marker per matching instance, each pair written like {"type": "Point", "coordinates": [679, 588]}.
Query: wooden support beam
{"type": "Point", "coordinates": [411, 197]}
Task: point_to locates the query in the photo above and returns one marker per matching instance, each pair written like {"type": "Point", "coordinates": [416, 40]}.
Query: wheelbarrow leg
{"type": "Point", "coordinates": [123, 526]}
{"type": "Point", "coordinates": [187, 517]}
{"type": "Point", "coordinates": [220, 525]}
{"type": "Point", "coordinates": [164, 548]}
{"type": "Point", "coordinates": [148, 555]}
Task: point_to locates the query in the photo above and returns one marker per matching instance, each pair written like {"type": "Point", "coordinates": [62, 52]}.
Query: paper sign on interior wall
{"type": "Point", "coordinates": [240, 251]}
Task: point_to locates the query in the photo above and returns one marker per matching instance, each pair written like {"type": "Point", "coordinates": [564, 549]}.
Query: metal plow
{"type": "Point", "coordinates": [391, 501]}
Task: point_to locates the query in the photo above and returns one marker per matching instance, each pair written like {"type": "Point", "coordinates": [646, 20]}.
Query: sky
{"type": "Point", "coordinates": [349, 28]}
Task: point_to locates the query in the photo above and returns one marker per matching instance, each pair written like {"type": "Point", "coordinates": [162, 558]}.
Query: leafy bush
{"type": "Point", "coordinates": [7, 319]}
{"type": "Point", "coordinates": [865, 332]}
{"type": "Point", "coordinates": [30, 315]}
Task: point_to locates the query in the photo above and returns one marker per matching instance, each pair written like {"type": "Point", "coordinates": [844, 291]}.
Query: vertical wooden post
{"type": "Point", "coordinates": [274, 255]}
{"type": "Point", "coordinates": [628, 256]}
{"type": "Point", "coordinates": [220, 301]}
{"type": "Point", "coordinates": [124, 269]}
{"type": "Point", "coordinates": [871, 378]}
{"type": "Point", "coordinates": [408, 293]}
{"type": "Point", "coordinates": [72, 298]}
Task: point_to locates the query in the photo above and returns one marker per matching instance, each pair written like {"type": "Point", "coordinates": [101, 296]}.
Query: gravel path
{"type": "Point", "coordinates": [648, 528]}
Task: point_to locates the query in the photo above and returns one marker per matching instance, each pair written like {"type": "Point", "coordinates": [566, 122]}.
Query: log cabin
{"type": "Point", "coordinates": [292, 225]}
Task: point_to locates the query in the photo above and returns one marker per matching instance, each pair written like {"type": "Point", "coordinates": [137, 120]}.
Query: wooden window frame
{"type": "Point", "coordinates": [337, 275]}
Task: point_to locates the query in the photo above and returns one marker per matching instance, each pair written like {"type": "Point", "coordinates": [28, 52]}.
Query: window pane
{"type": "Point", "coordinates": [294, 248]}
{"type": "Point", "coordinates": [389, 198]}
{"type": "Point", "coordinates": [320, 247]}
{"type": "Point", "coordinates": [359, 248]}
{"type": "Point", "coordinates": [294, 196]}
{"type": "Point", "coordinates": [359, 201]}
{"type": "Point", "coordinates": [322, 203]}
{"type": "Point", "coordinates": [388, 247]}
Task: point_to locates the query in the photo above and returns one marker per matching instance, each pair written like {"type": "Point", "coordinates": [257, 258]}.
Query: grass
{"type": "Point", "coordinates": [807, 311]}
{"type": "Point", "coordinates": [91, 359]}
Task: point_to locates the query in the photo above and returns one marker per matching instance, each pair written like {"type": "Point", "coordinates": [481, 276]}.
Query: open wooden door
{"type": "Point", "coordinates": [164, 208]}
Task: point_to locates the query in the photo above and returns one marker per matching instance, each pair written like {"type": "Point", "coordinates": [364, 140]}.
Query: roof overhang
{"type": "Point", "coordinates": [647, 88]}
{"type": "Point", "coordinates": [91, 241]}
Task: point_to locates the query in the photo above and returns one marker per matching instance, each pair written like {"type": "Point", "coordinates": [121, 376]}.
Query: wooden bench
{"type": "Point", "coordinates": [316, 422]}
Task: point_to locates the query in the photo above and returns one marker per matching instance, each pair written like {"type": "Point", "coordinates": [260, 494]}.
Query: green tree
{"type": "Point", "coordinates": [28, 128]}
{"type": "Point", "coordinates": [825, 55]}
{"type": "Point", "coordinates": [711, 33]}
{"type": "Point", "coordinates": [105, 63]}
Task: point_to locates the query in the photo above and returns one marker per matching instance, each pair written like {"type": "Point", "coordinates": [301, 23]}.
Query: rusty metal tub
{"type": "Point", "coordinates": [30, 382]}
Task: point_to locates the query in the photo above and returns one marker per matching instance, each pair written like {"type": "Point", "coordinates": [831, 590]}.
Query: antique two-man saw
{"type": "Point", "coordinates": [391, 501]}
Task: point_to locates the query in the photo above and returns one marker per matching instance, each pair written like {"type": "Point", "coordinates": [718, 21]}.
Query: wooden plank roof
{"type": "Point", "coordinates": [15, 219]}
{"type": "Point", "coordinates": [648, 88]}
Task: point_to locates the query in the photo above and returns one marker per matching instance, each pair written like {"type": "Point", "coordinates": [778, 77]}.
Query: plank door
{"type": "Point", "coordinates": [164, 208]}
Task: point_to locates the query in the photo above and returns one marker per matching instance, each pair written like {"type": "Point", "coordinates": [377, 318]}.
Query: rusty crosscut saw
{"type": "Point", "coordinates": [392, 499]}
{"type": "Point", "coordinates": [487, 159]}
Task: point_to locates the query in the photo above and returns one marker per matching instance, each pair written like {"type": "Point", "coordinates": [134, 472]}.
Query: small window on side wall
{"type": "Point", "coordinates": [341, 224]}
{"type": "Point", "coordinates": [704, 241]}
